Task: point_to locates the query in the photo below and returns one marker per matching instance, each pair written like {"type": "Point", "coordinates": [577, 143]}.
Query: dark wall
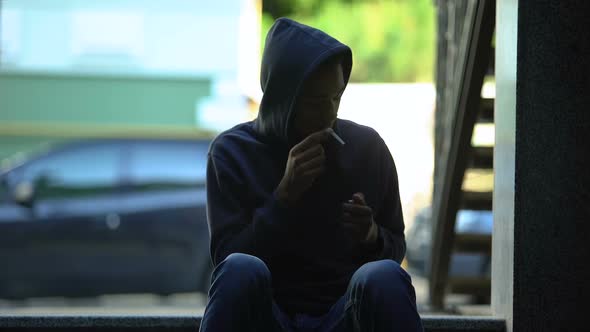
{"type": "Point", "coordinates": [552, 189]}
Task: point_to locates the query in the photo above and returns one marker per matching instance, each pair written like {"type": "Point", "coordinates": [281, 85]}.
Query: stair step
{"type": "Point", "coordinates": [175, 323]}
{"type": "Point", "coordinates": [476, 200]}
{"type": "Point", "coordinates": [474, 310]}
{"type": "Point", "coordinates": [470, 285]}
{"type": "Point", "coordinates": [482, 157]}
{"type": "Point", "coordinates": [485, 113]}
{"type": "Point", "coordinates": [473, 243]}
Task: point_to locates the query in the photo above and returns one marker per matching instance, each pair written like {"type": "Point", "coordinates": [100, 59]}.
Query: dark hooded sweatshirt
{"type": "Point", "coordinates": [310, 256]}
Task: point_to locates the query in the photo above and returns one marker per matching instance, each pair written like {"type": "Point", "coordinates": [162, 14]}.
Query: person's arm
{"type": "Point", "coordinates": [259, 231]}
{"type": "Point", "coordinates": [390, 241]}
{"type": "Point", "coordinates": [235, 227]}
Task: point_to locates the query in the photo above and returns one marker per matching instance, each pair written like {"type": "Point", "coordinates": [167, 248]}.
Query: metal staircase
{"type": "Point", "coordinates": [465, 58]}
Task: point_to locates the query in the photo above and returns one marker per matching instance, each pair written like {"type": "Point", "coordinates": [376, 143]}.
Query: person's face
{"type": "Point", "coordinates": [317, 104]}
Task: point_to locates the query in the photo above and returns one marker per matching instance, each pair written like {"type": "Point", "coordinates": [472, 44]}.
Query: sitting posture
{"type": "Point", "coordinates": [307, 232]}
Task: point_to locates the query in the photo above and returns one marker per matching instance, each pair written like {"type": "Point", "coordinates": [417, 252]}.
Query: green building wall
{"type": "Point", "coordinates": [31, 103]}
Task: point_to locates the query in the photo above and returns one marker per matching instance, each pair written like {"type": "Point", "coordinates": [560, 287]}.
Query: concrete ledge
{"type": "Point", "coordinates": [167, 323]}
{"type": "Point", "coordinates": [172, 323]}
{"type": "Point", "coordinates": [435, 323]}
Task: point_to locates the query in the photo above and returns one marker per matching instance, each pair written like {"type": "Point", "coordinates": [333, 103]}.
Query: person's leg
{"type": "Point", "coordinates": [240, 298]}
{"type": "Point", "coordinates": [380, 297]}
{"type": "Point", "coordinates": [334, 319]}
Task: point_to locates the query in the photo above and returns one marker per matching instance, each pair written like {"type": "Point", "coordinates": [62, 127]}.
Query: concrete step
{"type": "Point", "coordinates": [482, 157]}
{"type": "Point", "coordinates": [175, 323]}
{"type": "Point", "coordinates": [473, 243]}
{"type": "Point", "coordinates": [476, 200]}
{"type": "Point", "coordinates": [470, 285]}
{"type": "Point", "coordinates": [486, 111]}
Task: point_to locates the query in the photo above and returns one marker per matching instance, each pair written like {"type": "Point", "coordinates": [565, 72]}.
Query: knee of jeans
{"type": "Point", "coordinates": [381, 276]}
{"type": "Point", "coordinates": [246, 268]}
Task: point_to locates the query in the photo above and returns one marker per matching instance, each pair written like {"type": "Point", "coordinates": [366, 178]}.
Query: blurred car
{"type": "Point", "coordinates": [419, 244]}
{"type": "Point", "coordinates": [105, 216]}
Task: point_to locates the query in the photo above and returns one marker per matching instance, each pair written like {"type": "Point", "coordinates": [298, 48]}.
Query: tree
{"type": "Point", "coordinates": [392, 41]}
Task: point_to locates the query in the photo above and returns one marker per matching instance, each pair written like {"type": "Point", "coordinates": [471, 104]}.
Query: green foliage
{"type": "Point", "coordinates": [391, 40]}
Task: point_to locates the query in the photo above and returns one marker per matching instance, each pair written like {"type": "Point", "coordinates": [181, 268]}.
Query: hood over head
{"type": "Point", "coordinates": [292, 52]}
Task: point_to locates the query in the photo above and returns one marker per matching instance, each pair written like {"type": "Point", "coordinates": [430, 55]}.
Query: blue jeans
{"type": "Point", "coordinates": [380, 297]}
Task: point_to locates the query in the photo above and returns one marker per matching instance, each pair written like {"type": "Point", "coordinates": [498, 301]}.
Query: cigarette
{"type": "Point", "coordinates": [331, 131]}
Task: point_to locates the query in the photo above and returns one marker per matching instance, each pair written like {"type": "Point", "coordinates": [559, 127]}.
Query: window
{"type": "Point", "coordinates": [176, 164]}
{"type": "Point", "coordinates": [4, 194]}
{"type": "Point", "coordinates": [79, 169]}
{"type": "Point", "coordinates": [10, 36]}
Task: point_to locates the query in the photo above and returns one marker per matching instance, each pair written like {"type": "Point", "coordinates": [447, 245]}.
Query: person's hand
{"type": "Point", "coordinates": [358, 219]}
{"type": "Point", "coordinates": [305, 163]}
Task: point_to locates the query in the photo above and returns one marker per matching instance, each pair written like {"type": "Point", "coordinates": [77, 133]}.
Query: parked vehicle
{"type": "Point", "coordinates": [105, 216]}
{"type": "Point", "coordinates": [419, 244]}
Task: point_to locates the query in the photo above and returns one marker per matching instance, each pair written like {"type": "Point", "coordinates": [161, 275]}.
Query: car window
{"type": "Point", "coordinates": [80, 169]}
{"type": "Point", "coordinates": [3, 191]}
{"type": "Point", "coordinates": [168, 164]}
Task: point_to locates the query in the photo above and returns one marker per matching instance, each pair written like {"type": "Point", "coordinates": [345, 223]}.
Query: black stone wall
{"type": "Point", "coordinates": [552, 167]}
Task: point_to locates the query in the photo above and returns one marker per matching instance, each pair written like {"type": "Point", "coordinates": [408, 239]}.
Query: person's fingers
{"type": "Point", "coordinates": [350, 225]}
{"type": "Point", "coordinates": [359, 198]}
{"type": "Point", "coordinates": [355, 227]}
{"type": "Point", "coordinates": [361, 222]}
{"type": "Point", "coordinates": [356, 209]}
{"type": "Point", "coordinates": [347, 218]}
{"type": "Point", "coordinates": [313, 173]}
{"type": "Point", "coordinates": [312, 152]}
{"type": "Point", "coordinates": [311, 164]}
{"type": "Point", "coordinates": [310, 140]}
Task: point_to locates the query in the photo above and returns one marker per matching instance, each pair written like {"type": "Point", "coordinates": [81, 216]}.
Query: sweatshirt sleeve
{"type": "Point", "coordinates": [233, 225]}
{"type": "Point", "coordinates": [391, 241]}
